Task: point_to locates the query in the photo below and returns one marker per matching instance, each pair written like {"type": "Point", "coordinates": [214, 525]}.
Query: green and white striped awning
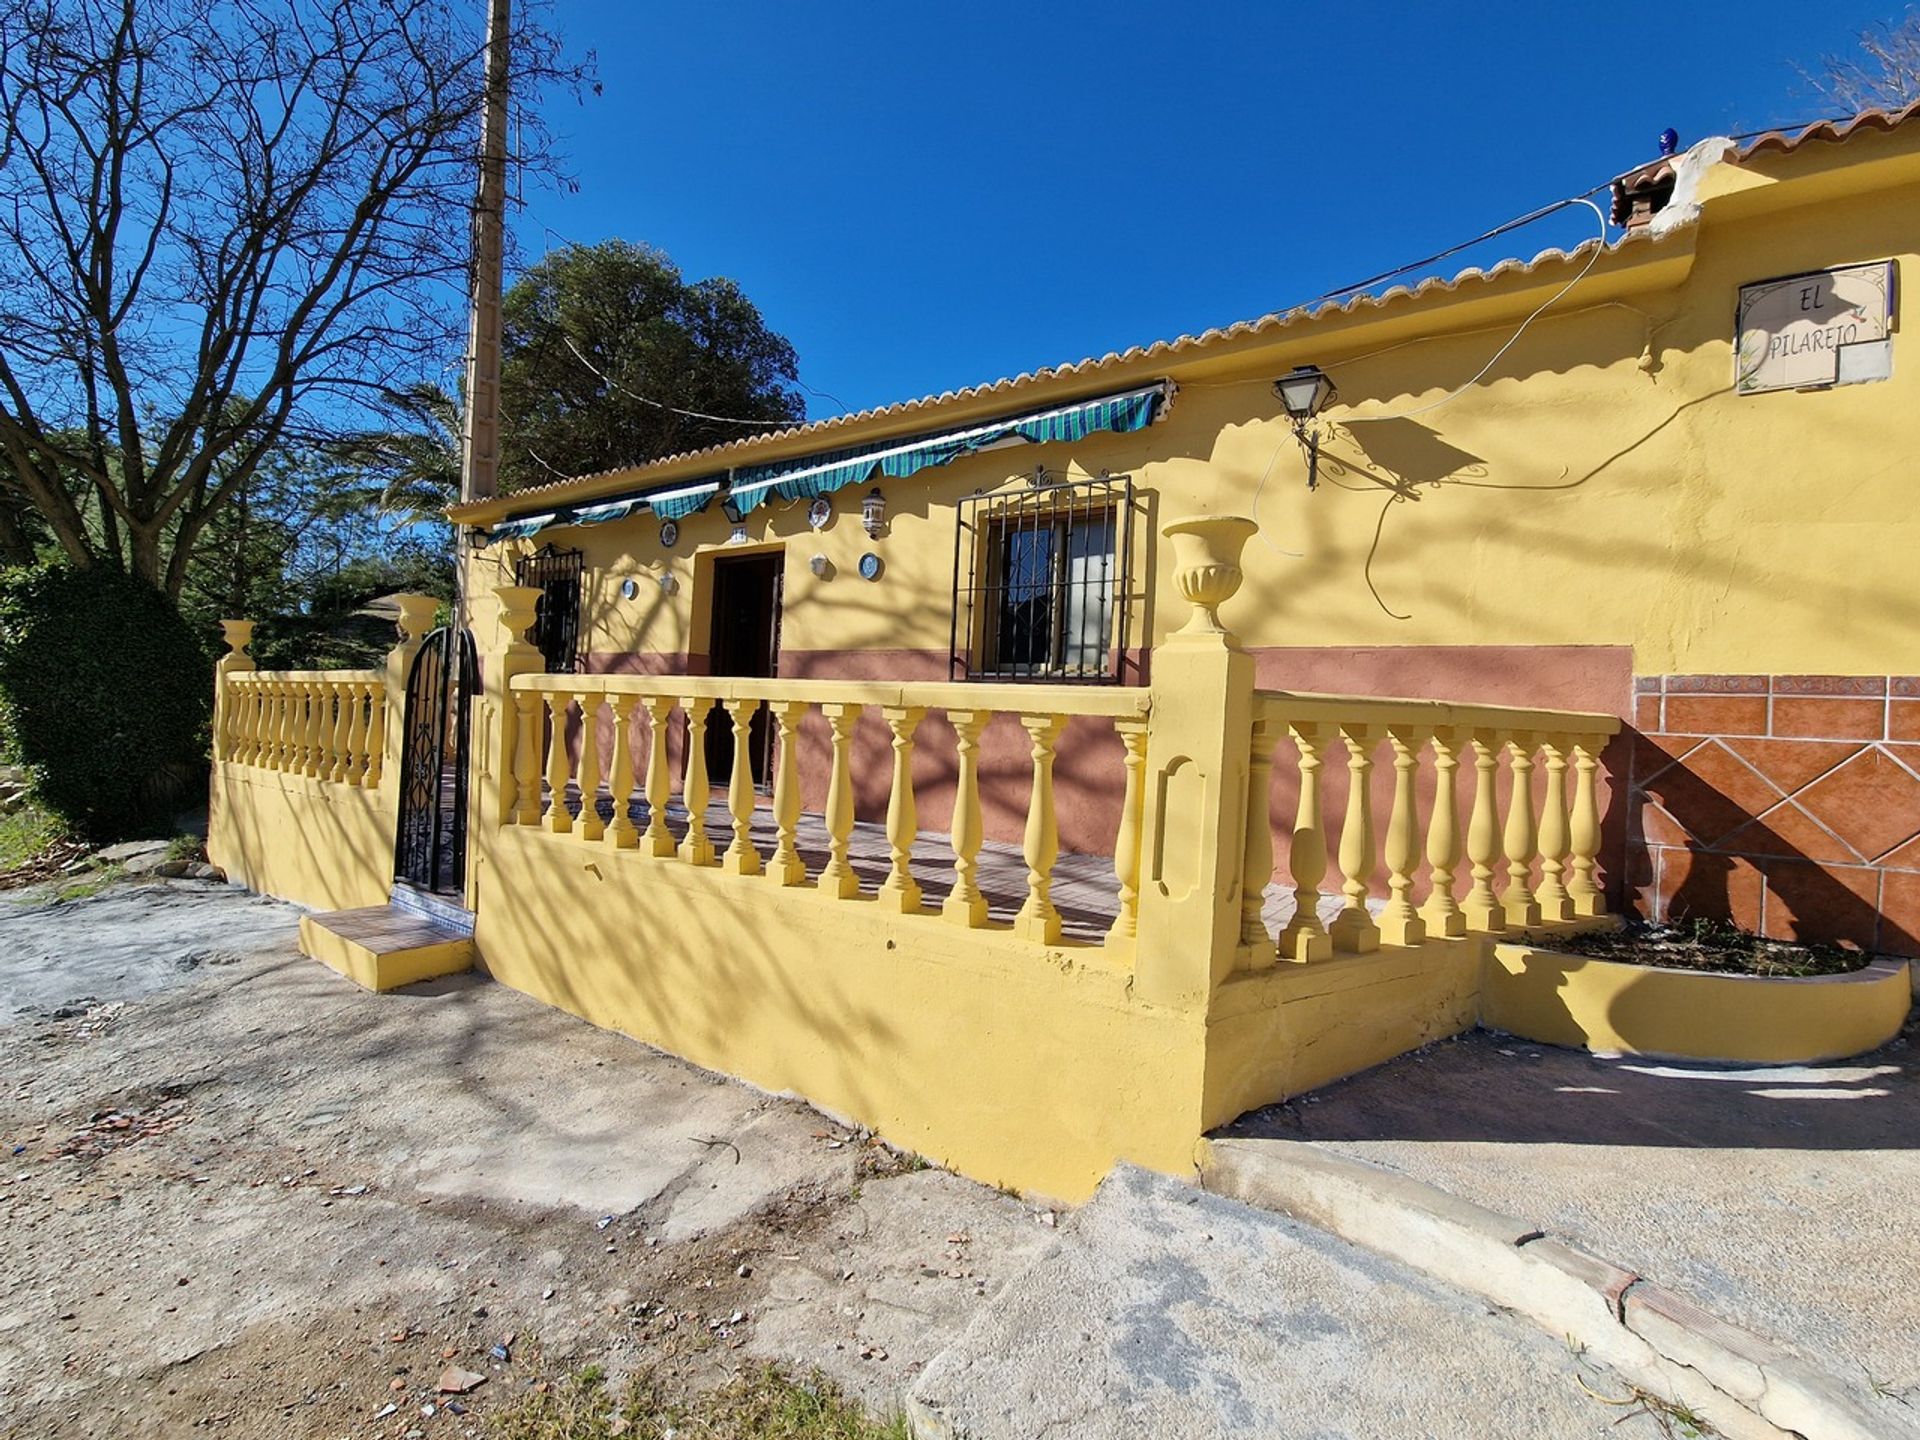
{"type": "Point", "coordinates": [1120, 414]}
{"type": "Point", "coordinates": [751, 486]}
{"type": "Point", "coordinates": [667, 504]}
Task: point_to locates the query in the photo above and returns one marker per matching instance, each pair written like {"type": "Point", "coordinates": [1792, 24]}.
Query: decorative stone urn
{"type": "Point", "coordinates": [1206, 560]}
{"type": "Point", "coordinates": [239, 635]}
{"type": "Point", "coordinates": [416, 616]}
{"type": "Point", "coordinates": [517, 611]}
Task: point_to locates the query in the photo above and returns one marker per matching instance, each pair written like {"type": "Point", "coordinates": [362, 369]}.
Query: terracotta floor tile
{"type": "Point", "coordinates": [1712, 793]}
{"type": "Point", "coordinates": [1716, 715]}
{"type": "Point", "coordinates": [1790, 764]}
{"type": "Point", "coordinates": [1820, 902]}
{"type": "Point", "coordinates": [1899, 914]}
{"type": "Point", "coordinates": [1696, 884]}
{"type": "Point", "coordinates": [1787, 832]}
{"type": "Point", "coordinates": [1820, 718]}
{"type": "Point", "coordinates": [1872, 802]}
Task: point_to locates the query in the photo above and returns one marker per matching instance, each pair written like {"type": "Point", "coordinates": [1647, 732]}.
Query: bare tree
{"type": "Point", "coordinates": [225, 226]}
{"type": "Point", "coordinates": [1884, 74]}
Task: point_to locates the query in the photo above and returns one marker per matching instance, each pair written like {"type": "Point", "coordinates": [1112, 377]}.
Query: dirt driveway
{"type": "Point", "coordinates": [242, 1197]}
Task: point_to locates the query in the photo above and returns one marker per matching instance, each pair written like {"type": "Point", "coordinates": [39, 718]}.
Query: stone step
{"type": "Point", "coordinates": [384, 947]}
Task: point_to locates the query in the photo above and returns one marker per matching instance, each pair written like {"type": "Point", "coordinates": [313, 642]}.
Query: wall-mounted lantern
{"type": "Point", "coordinates": [1304, 392]}
{"type": "Point", "coordinates": [873, 513]}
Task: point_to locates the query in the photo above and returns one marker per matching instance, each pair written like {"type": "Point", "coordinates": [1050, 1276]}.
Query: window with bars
{"type": "Point", "coordinates": [1041, 581]}
{"type": "Point", "coordinates": [556, 616]}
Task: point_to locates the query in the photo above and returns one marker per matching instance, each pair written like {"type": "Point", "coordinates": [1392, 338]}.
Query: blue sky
{"type": "Point", "coordinates": [926, 196]}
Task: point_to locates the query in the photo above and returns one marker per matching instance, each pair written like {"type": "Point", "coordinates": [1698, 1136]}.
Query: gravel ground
{"type": "Point", "coordinates": [242, 1197]}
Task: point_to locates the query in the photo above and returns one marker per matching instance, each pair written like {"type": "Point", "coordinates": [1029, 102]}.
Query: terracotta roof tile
{"type": "Point", "coordinates": [1785, 142]}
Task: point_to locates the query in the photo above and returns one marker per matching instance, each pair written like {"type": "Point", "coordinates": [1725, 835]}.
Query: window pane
{"type": "Point", "coordinates": [1026, 601]}
{"type": "Point", "coordinates": [1089, 597]}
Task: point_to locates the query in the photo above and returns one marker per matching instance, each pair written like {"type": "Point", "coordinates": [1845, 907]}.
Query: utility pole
{"type": "Point", "coordinates": [480, 431]}
{"type": "Point", "coordinates": [480, 440]}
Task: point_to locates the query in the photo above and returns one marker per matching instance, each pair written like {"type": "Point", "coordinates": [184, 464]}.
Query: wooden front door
{"type": "Point", "coordinates": [745, 641]}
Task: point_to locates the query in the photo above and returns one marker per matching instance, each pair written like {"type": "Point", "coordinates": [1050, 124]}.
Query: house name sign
{"type": "Point", "coordinates": [1827, 327]}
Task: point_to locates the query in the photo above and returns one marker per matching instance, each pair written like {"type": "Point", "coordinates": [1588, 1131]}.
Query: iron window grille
{"type": "Point", "coordinates": [556, 615]}
{"type": "Point", "coordinates": [1042, 581]}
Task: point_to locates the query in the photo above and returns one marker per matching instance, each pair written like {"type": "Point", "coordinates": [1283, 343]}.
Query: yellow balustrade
{"type": "Point", "coordinates": [1482, 906]}
{"type": "Point", "coordinates": [741, 858]}
{"type": "Point", "coordinates": [900, 891]}
{"type": "Point", "coordinates": [1039, 919]}
{"type": "Point", "coordinates": [695, 788]}
{"type": "Point", "coordinates": [322, 724]}
{"type": "Point", "coordinates": [1353, 929]}
{"type": "Point", "coordinates": [620, 778]}
{"type": "Point", "coordinates": [1554, 901]}
{"type": "Point", "coordinates": [1589, 901]}
{"type": "Point", "coordinates": [1517, 901]}
{"type": "Point", "coordinates": [559, 770]}
{"type": "Point", "coordinates": [1257, 852]}
{"type": "Point", "coordinates": [592, 828]}
{"type": "Point", "coordinates": [659, 839]}
{"type": "Point", "coordinates": [965, 903]}
{"type": "Point", "coordinates": [1400, 922]}
{"type": "Point", "coordinates": [837, 877]}
{"type": "Point", "coordinates": [785, 867]}
{"type": "Point", "coordinates": [1442, 910]}
{"type": "Point", "coordinates": [1126, 842]}
{"type": "Point", "coordinates": [1305, 936]}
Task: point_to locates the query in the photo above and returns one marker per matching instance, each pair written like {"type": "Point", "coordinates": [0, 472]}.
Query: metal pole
{"type": "Point", "coordinates": [480, 431]}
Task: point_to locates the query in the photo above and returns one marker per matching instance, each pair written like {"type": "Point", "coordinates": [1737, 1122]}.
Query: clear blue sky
{"type": "Point", "coordinates": [926, 196]}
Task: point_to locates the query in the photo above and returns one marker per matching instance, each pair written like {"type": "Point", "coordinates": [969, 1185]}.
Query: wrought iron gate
{"type": "Point", "coordinates": [430, 843]}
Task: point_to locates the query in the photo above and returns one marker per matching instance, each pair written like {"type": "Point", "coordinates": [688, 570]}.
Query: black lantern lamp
{"type": "Point", "coordinates": [1304, 392]}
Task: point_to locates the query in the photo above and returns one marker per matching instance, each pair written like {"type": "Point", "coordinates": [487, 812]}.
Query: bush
{"type": "Point", "coordinates": [105, 698]}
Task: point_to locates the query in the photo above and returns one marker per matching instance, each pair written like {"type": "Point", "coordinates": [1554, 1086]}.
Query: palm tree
{"type": "Point", "coordinates": [410, 473]}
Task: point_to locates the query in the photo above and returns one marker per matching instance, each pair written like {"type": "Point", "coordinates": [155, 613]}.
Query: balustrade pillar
{"type": "Point", "coordinates": [528, 718]}
{"type": "Point", "coordinates": [376, 732]}
{"type": "Point", "coordinates": [901, 892]}
{"type": "Point", "coordinates": [659, 837]}
{"type": "Point", "coordinates": [356, 712]}
{"type": "Point", "coordinates": [1400, 923]}
{"type": "Point", "coordinates": [1589, 901]}
{"type": "Point", "coordinates": [1517, 900]}
{"type": "Point", "coordinates": [1038, 919]}
{"type": "Point", "coordinates": [696, 790]}
{"type": "Point", "coordinates": [1258, 948]}
{"type": "Point", "coordinates": [1305, 937]}
{"type": "Point", "coordinates": [965, 905]}
{"type": "Point", "coordinates": [314, 731]}
{"type": "Point", "coordinates": [334, 697]}
{"type": "Point", "coordinates": [1353, 929]}
{"type": "Point", "coordinates": [1126, 842]}
{"type": "Point", "coordinates": [785, 867]}
{"type": "Point", "coordinates": [1482, 907]}
{"type": "Point", "coordinates": [1554, 901]}
{"type": "Point", "coordinates": [1442, 911]}
{"type": "Point", "coordinates": [837, 877]}
{"type": "Point", "coordinates": [741, 858]}
{"type": "Point", "coordinates": [592, 828]}
{"type": "Point", "coordinates": [559, 818]}
{"type": "Point", "coordinates": [620, 778]}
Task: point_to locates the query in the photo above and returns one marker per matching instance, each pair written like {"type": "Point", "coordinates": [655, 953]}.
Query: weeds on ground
{"type": "Point", "coordinates": [26, 834]}
{"type": "Point", "coordinates": [1702, 943]}
{"type": "Point", "coordinates": [1674, 1419]}
{"type": "Point", "coordinates": [89, 884]}
{"type": "Point", "coordinates": [765, 1405]}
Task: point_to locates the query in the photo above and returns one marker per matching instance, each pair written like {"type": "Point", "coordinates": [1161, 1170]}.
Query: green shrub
{"type": "Point", "coordinates": [104, 698]}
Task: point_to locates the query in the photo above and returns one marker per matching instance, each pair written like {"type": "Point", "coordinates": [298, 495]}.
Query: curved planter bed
{"type": "Point", "coordinates": [1576, 1000]}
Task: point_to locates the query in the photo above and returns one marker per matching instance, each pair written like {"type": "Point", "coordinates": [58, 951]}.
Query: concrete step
{"type": "Point", "coordinates": [1661, 1341]}
{"type": "Point", "coordinates": [384, 947]}
{"type": "Point", "coordinates": [1162, 1310]}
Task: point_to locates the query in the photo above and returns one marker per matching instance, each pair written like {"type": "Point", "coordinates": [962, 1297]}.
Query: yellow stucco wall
{"type": "Point", "coordinates": [1601, 486]}
{"type": "Point", "coordinates": [1013, 1064]}
{"type": "Point", "coordinates": [310, 841]}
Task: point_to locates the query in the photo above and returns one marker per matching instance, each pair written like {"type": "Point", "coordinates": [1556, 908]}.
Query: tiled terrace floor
{"type": "Point", "coordinates": [1085, 887]}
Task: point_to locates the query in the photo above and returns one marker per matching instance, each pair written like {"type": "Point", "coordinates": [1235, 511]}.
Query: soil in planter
{"type": "Point", "coordinates": [1711, 945]}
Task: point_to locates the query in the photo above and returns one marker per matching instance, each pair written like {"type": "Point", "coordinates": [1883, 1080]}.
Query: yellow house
{"type": "Point", "coordinates": [1045, 772]}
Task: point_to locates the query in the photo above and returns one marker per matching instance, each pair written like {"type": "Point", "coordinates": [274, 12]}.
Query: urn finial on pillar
{"type": "Point", "coordinates": [416, 615]}
{"type": "Point", "coordinates": [239, 635]}
{"type": "Point", "coordinates": [1206, 558]}
{"type": "Point", "coordinates": [518, 609]}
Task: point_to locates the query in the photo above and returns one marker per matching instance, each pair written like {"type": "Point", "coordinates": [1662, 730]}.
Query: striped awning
{"type": "Point", "coordinates": [667, 504]}
{"type": "Point", "coordinates": [823, 474]}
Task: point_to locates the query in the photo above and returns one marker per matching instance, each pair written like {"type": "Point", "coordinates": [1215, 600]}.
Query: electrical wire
{"type": "Point", "coordinates": [662, 405]}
